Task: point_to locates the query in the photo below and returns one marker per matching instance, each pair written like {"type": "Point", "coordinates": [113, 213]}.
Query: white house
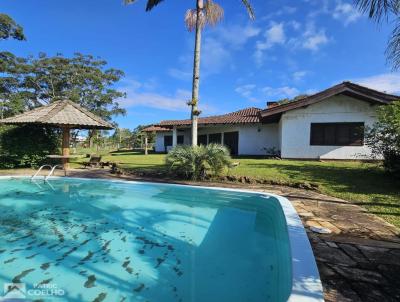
{"type": "Point", "coordinates": [327, 125]}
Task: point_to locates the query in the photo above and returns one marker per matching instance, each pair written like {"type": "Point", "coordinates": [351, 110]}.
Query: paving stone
{"type": "Point", "coordinates": [331, 244]}
{"type": "Point", "coordinates": [327, 254]}
{"type": "Point", "coordinates": [369, 293]}
{"type": "Point", "coordinates": [356, 274]}
{"type": "Point", "coordinates": [353, 252]}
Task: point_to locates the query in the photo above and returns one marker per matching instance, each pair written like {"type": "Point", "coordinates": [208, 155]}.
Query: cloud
{"type": "Point", "coordinates": [313, 38]}
{"type": "Point", "coordinates": [237, 36]}
{"type": "Point", "coordinates": [217, 50]}
{"type": "Point", "coordinates": [246, 91]}
{"type": "Point", "coordinates": [281, 92]}
{"type": "Point", "coordinates": [299, 75]}
{"type": "Point", "coordinates": [274, 35]}
{"type": "Point", "coordinates": [180, 74]}
{"type": "Point", "coordinates": [142, 94]}
{"type": "Point", "coordinates": [386, 82]}
{"type": "Point", "coordinates": [346, 13]}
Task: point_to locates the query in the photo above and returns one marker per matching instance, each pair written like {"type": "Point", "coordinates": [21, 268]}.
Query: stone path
{"type": "Point", "coordinates": [358, 261]}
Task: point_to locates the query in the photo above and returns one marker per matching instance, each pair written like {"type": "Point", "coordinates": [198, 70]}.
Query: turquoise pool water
{"type": "Point", "coordinates": [96, 240]}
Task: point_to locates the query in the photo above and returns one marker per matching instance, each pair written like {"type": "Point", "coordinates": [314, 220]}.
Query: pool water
{"type": "Point", "coordinates": [97, 240]}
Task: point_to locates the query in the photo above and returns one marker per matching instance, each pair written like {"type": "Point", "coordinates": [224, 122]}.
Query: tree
{"type": "Point", "coordinates": [10, 29]}
{"type": "Point", "coordinates": [206, 12]}
{"type": "Point", "coordinates": [383, 10]}
{"type": "Point", "coordinates": [384, 137]}
{"type": "Point", "coordinates": [26, 83]}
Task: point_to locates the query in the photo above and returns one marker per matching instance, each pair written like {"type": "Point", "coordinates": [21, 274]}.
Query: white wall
{"type": "Point", "coordinates": [253, 138]}
{"type": "Point", "coordinates": [296, 125]}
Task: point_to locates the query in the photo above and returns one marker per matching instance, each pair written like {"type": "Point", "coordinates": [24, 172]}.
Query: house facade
{"type": "Point", "coordinates": [327, 125]}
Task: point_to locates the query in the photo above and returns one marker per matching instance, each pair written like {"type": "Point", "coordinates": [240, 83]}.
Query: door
{"type": "Point", "coordinates": [231, 140]}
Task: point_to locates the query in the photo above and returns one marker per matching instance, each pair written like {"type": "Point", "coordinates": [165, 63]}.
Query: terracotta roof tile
{"type": "Point", "coordinates": [244, 116]}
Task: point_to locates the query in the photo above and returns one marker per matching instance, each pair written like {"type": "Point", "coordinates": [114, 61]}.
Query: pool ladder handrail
{"type": "Point", "coordinates": [52, 169]}
{"type": "Point", "coordinates": [40, 169]}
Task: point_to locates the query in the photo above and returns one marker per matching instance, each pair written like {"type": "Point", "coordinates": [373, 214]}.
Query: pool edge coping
{"type": "Point", "coordinates": [306, 283]}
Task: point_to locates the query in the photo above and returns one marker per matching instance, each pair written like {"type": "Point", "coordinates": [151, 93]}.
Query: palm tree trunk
{"type": "Point", "coordinates": [196, 73]}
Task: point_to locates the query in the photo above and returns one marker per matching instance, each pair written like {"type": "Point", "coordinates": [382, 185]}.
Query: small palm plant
{"type": "Point", "coordinates": [199, 161]}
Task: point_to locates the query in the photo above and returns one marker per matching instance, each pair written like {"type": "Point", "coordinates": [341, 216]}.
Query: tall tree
{"type": "Point", "coordinates": [207, 12]}
{"type": "Point", "coordinates": [41, 80]}
{"type": "Point", "coordinates": [385, 11]}
{"type": "Point", "coordinates": [10, 29]}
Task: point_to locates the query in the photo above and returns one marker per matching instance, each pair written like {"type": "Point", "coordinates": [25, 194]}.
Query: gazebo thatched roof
{"type": "Point", "coordinates": [61, 114]}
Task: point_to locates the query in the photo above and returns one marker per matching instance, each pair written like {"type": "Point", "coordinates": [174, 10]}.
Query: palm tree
{"type": "Point", "coordinates": [382, 10]}
{"type": "Point", "coordinates": [207, 12]}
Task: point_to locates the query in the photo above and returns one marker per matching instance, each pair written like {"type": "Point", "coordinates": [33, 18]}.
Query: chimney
{"type": "Point", "coordinates": [271, 104]}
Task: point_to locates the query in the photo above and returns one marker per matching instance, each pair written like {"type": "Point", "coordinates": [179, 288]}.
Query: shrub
{"type": "Point", "coordinates": [26, 146]}
{"type": "Point", "coordinates": [198, 162]}
{"type": "Point", "coordinates": [384, 137]}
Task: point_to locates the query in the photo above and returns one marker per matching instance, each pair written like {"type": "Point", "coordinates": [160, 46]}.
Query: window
{"type": "Point", "coordinates": [215, 138]}
{"type": "Point", "coordinates": [167, 140]}
{"type": "Point", "coordinates": [337, 134]}
{"type": "Point", "coordinates": [180, 139]}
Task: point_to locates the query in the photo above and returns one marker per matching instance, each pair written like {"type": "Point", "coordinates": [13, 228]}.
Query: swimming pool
{"type": "Point", "coordinates": [75, 239]}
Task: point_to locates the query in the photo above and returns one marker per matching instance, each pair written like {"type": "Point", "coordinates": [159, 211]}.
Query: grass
{"type": "Point", "coordinates": [365, 184]}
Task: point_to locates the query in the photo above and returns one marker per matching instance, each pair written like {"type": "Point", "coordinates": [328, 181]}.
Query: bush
{"type": "Point", "coordinates": [198, 162]}
{"type": "Point", "coordinates": [384, 137]}
{"type": "Point", "coordinates": [26, 146]}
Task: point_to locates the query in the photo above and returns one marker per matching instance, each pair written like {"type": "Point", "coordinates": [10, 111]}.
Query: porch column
{"type": "Point", "coordinates": [174, 137]}
{"type": "Point", "coordinates": [146, 145]}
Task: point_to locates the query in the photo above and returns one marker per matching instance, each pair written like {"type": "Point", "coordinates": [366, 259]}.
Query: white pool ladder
{"type": "Point", "coordinates": [52, 169]}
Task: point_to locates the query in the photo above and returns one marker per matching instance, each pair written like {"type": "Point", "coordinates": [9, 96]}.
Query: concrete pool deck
{"type": "Point", "coordinates": [358, 261]}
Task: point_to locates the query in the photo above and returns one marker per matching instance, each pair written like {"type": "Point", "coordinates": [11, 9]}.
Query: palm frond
{"type": "Point", "coordinates": [126, 2]}
{"type": "Point", "coordinates": [191, 19]}
{"type": "Point", "coordinates": [378, 9]}
{"type": "Point", "coordinates": [393, 48]}
{"type": "Point", "coordinates": [249, 8]}
{"type": "Point", "coordinates": [151, 4]}
{"type": "Point", "coordinates": [213, 12]}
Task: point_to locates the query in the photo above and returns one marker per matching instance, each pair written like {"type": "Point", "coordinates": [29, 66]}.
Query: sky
{"type": "Point", "coordinates": [293, 47]}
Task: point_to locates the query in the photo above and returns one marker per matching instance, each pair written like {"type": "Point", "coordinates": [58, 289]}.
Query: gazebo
{"type": "Point", "coordinates": [63, 114]}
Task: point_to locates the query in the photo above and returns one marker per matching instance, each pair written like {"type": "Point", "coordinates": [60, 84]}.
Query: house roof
{"type": "Point", "coordinates": [155, 129]}
{"type": "Point", "coordinates": [345, 88]}
{"type": "Point", "coordinates": [244, 116]}
{"type": "Point", "coordinates": [61, 114]}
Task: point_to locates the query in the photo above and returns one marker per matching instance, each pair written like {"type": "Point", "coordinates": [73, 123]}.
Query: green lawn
{"type": "Point", "coordinates": [361, 183]}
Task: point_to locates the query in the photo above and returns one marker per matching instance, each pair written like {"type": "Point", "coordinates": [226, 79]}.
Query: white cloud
{"type": "Point", "coordinates": [299, 75]}
{"type": "Point", "coordinates": [217, 50]}
{"type": "Point", "coordinates": [180, 74]}
{"type": "Point", "coordinates": [246, 91]}
{"type": "Point", "coordinates": [237, 36]}
{"type": "Point", "coordinates": [386, 82]}
{"type": "Point", "coordinates": [275, 34]}
{"type": "Point", "coordinates": [313, 38]}
{"type": "Point", "coordinates": [346, 13]}
{"type": "Point", "coordinates": [215, 56]}
{"type": "Point", "coordinates": [281, 92]}
{"type": "Point", "coordinates": [142, 94]}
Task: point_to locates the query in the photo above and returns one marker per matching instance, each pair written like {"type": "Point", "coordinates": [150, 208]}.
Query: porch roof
{"type": "Point", "coordinates": [244, 116]}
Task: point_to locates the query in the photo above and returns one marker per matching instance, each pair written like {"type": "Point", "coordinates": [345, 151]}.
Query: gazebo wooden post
{"type": "Point", "coordinates": [66, 131]}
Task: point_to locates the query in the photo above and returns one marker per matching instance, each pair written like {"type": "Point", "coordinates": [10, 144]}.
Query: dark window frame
{"type": "Point", "coordinates": [215, 138]}
{"type": "Point", "coordinates": [167, 138]}
{"type": "Point", "coordinates": [331, 134]}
